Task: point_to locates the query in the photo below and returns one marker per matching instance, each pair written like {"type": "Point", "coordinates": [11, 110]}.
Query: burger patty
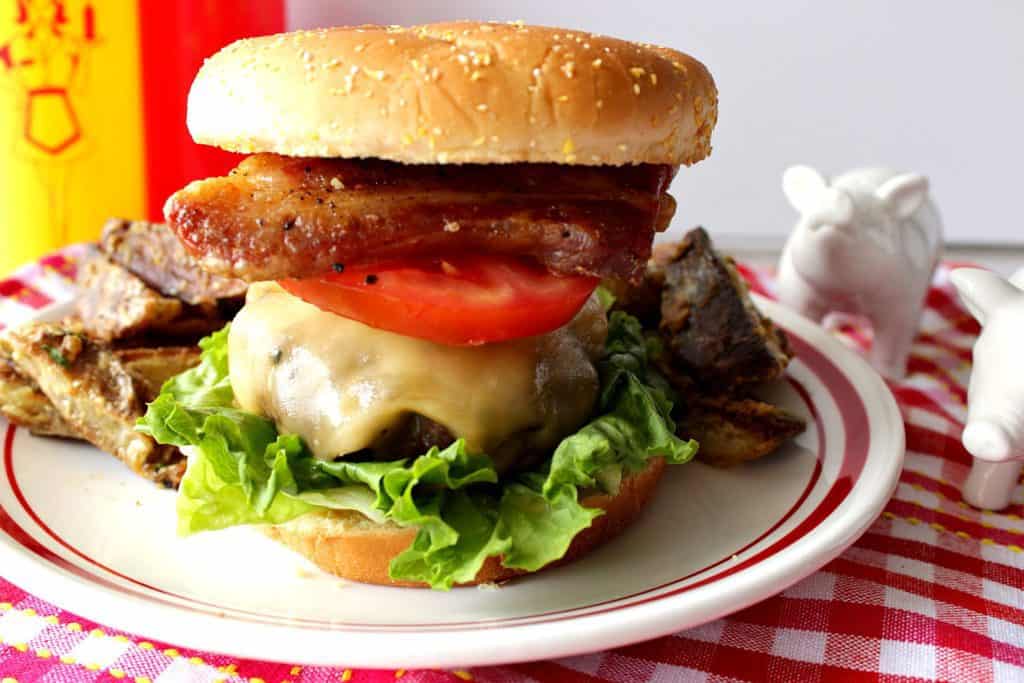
{"type": "Point", "coordinates": [274, 217]}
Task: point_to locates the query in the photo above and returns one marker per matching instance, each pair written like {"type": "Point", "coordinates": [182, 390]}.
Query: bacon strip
{"type": "Point", "coordinates": [275, 217]}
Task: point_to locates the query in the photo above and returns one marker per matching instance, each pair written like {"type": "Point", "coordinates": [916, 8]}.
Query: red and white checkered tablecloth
{"type": "Point", "coordinates": [933, 591]}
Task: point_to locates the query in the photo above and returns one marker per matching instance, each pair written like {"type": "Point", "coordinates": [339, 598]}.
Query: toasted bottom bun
{"type": "Point", "coordinates": [353, 547]}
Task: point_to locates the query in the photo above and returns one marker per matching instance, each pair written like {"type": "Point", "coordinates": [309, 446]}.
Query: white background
{"type": "Point", "coordinates": [935, 87]}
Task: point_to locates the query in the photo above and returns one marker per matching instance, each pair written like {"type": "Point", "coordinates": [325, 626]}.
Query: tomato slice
{"type": "Point", "coordinates": [464, 299]}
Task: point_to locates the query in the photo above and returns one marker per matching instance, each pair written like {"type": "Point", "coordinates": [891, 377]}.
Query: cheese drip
{"type": "Point", "coordinates": [342, 385]}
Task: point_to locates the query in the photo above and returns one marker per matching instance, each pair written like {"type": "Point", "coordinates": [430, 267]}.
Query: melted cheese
{"type": "Point", "coordinates": [342, 385]}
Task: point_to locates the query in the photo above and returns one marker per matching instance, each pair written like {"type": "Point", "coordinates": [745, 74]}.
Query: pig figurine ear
{"type": "Point", "coordinates": [804, 188]}
{"type": "Point", "coordinates": [981, 290]}
{"type": "Point", "coordinates": [809, 193]}
{"type": "Point", "coordinates": [904, 194]}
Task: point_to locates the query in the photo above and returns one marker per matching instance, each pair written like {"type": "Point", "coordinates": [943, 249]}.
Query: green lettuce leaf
{"type": "Point", "coordinates": [241, 471]}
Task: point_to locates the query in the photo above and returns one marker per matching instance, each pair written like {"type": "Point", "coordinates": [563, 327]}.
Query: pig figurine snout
{"type": "Point", "coordinates": [987, 440]}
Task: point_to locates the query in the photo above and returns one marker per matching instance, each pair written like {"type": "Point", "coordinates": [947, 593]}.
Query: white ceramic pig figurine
{"type": "Point", "coordinates": [994, 434]}
{"type": "Point", "coordinates": [866, 244]}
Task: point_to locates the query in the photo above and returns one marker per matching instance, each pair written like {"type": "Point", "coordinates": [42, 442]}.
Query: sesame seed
{"type": "Point", "coordinates": [654, 79]}
{"type": "Point", "coordinates": [636, 88]}
{"type": "Point", "coordinates": [442, 157]}
{"type": "Point", "coordinates": [568, 147]}
{"type": "Point", "coordinates": [597, 63]}
{"type": "Point", "coordinates": [563, 98]}
{"type": "Point", "coordinates": [556, 48]}
{"type": "Point", "coordinates": [379, 75]}
{"type": "Point", "coordinates": [463, 59]}
{"type": "Point", "coordinates": [337, 184]}
{"type": "Point", "coordinates": [391, 41]}
{"type": "Point", "coordinates": [481, 107]}
{"type": "Point", "coordinates": [360, 47]}
{"type": "Point", "coordinates": [487, 59]}
{"type": "Point", "coordinates": [569, 69]}
{"type": "Point", "coordinates": [536, 72]}
{"type": "Point", "coordinates": [637, 71]}
{"type": "Point", "coordinates": [406, 139]}
{"type": "Point", "coordinates": [475, 76]}
{"type": "Point", "coordinates": [623, 148]}
{"type": "Point", "coordinates": [438, 131]}
{"type": "Point", "coordinates": [452, 226]}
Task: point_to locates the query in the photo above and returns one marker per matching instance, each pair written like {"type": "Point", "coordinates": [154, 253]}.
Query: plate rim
{"type": "Point", "coordinates": [661, 615]}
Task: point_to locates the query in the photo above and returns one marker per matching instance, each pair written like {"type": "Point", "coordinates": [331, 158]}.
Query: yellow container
{"type": "Point", "coordinates": [71, 124]}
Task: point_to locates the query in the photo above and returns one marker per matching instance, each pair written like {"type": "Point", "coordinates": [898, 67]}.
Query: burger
{"type": "Point", "coordinates": [428, 384]}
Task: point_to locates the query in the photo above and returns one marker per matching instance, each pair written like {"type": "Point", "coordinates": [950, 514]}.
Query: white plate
{"type": "Point", "coordinates": [79, 529]}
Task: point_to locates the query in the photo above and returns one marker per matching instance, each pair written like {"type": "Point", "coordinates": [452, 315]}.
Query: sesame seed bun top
{"type": "Point", "coordinates": [463, 92]}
